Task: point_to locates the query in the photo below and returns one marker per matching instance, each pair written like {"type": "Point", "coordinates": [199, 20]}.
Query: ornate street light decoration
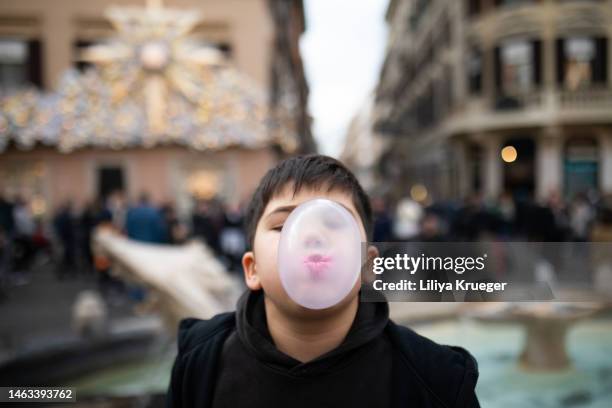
{"type": "Point", "coordinates": [148, 85]}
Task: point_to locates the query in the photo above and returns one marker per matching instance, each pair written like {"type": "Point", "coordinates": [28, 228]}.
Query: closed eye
{"type": "Point", "coordinates": [278, 228]}
{"type": "Point", "coordinates": [333, 223]}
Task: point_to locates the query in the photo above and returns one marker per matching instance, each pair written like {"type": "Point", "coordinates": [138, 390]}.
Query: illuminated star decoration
{"type": "Point", "coordinates": [152, 84]}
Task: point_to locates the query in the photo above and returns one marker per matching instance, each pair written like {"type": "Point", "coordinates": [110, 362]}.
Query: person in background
{"type": "Point", "coordinates": [24, 248]}
{"type": "Point", "coordinates": [601, 235]}
{"type": "Point", "coordinates": [144, 222]}
{"type": "Point", "coordinates": [111, 288]}
{"type": "Point", "coordinates": [602, 227]}
{"type": "Point", "coordinates": [204, 226]}
{"type": "Point", "coordinates": [431, 229]}
{"type": "Point", "coordinates": [174, 230]}
{"type": "Point", "coordinates": [471, 220]}
{"type": "Point", "coordinates": [7, 228]}
{"type": "Point", "coordinates": [581, 217]}
{"type": "Point", "coordinates": [42, 245]}
{"type": "Point", "coordinates": [558, 209]}
{"type": "Point", "coordinates": [87, 223]}
{"type": "Point", "coordinates": [232, 238]}
{"type": "Point", "coordinates": [117, 205]}
{"type": "Point", "coordinates": [7, 217]}
{"type": "Point", "coordinates": [383, 223]}
{"type": "Point", "coordinates": [408, 214]}
{"type": "Point", "coordinates": [504, 215]}
{"type": "Point", "coordinates": [64, 226]}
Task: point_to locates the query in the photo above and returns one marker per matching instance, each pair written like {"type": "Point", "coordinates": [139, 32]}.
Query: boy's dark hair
{"type": "Point", "coordinates": [309, 171]}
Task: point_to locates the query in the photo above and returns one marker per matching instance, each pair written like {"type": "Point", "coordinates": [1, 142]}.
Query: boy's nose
{"type": "Point", "coordinates": [313, 241]}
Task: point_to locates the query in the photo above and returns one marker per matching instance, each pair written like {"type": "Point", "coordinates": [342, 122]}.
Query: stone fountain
{"type": "Point", "coordinates": [182, 281]}
{"type": "Point", "coordinates": [545, 325]}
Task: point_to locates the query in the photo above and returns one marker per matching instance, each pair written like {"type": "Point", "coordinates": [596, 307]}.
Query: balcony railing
{"type": "Point", "coordinates": [517, 101]}
{"type": "Point", "coordinates": [586, 98]}
{"type": "Point", "coordinates": [592, 98]}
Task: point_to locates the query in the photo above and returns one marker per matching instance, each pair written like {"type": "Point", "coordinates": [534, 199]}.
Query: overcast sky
{"type": "Point", "coordinates": [343, 48]}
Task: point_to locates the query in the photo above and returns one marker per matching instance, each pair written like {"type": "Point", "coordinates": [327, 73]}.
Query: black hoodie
{"type": "Point", "coordinates": [357, 373]}
{"type": "Point", "coordinates": [231, 361]}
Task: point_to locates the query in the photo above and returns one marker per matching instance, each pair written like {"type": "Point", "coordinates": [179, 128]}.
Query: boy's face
{"type": "Point", "coordinates": [260, 265]}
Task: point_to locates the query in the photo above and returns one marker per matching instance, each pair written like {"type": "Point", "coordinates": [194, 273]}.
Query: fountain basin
{"type": "Point", "coordinates": [505, 383]}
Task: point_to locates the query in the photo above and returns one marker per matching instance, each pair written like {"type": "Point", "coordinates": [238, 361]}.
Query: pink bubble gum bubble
{"type": "Point", "coordinates": [319, 254]}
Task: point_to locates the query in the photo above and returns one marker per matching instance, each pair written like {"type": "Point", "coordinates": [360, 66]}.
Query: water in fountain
{"type": "Point", "coordinates": [503, 383]}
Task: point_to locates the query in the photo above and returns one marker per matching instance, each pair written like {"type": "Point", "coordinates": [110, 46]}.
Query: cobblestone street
{"type": "Point", "coordinates": [37, 313]}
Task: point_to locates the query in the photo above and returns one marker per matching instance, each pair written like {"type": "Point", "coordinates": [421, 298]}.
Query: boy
{"type": "Point", "coordinates": [272, 352]}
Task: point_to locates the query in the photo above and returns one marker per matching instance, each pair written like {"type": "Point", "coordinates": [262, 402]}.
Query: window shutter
{"type": "Point", "coordinates": [497, 67]}
{"type": "Point", "coordinates": [536, 48]}
{"type": "Point", "coordinates": [599, 64]}
{"type": "Point", "coordinates": [34, 63]}
{"type": "Point", "coordinates": [560, 61]}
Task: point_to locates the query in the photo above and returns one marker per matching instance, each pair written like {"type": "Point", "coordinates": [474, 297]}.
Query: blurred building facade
{"type": "Point", "coordinates": [363, 148]}
{"type": "Point", "coordinates": [467, 82]}
{"type": "Point", "coordinates": [40, 40]}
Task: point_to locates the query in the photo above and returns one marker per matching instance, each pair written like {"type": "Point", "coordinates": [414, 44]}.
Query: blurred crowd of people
{"type": "Point", "coordinates": [65, 238]}
{"type": "Point", "coordinates": [586, 217]}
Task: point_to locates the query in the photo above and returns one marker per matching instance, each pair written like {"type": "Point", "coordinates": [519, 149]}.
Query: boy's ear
{"type": "Point", "coordinates": [250, 271]}
{"type": "Point", "coordinates": [372, 252]}
{"type": "Point", "coordinates": [366, 274]}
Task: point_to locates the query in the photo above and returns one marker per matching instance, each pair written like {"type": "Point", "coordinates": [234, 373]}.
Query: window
{"type": "Point", "coordinates": [474, 71]}
{"type": "Point", "coordinates": [518, 66]}
{"type": "Point", "coordinates": [110, 180]}
{"type": "Point", "coordinates": [582, 61]}
{"type": "Point", "coordinates": [581, 166]}
{"type": "Point", "coordinates": [475, 162]}
{"type": "Point", "coordinates": [13, 60]}
{"type": "Point", "coordinates": [512, 2]}
{"type": "Point", "coordinates": [443, 95]}
{"type": "Point", "coordinates": [79, 47]}
{"type": "Point", "coordinates": [420, 7]}
{"type": "Point", "coordinates": [447, 91]}
{"type": "Point", "coordinates": [444, 38]}
{"type": "Point", "coordinates": [20, 63]}
{"type": "Point", "coordinates": [224, 47]}
{"type": "Point", "coordinates": [578, 52]}
{"type": "Point", "coordinates": [425, 111]}
{"type": "Point", "coordinates": [473, 7]}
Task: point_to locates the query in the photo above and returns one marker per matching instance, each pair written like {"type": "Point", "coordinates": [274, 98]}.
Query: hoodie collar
{"type": "Point", "coordinates": [252, 329]}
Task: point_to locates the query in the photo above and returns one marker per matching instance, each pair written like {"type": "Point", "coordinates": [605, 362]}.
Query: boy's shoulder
{"type": "Point", "coordinates": [194, 332]}
{"type": "Point", "coordinates": [449, 373]}
{"type": "Point", "coordinates": [423, 350]}
{"type": "Point", "coordinates": [199, 344]}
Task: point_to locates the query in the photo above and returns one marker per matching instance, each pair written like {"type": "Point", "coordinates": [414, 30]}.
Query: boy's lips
{"type": "Point", "coordinates": [317, 264]}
